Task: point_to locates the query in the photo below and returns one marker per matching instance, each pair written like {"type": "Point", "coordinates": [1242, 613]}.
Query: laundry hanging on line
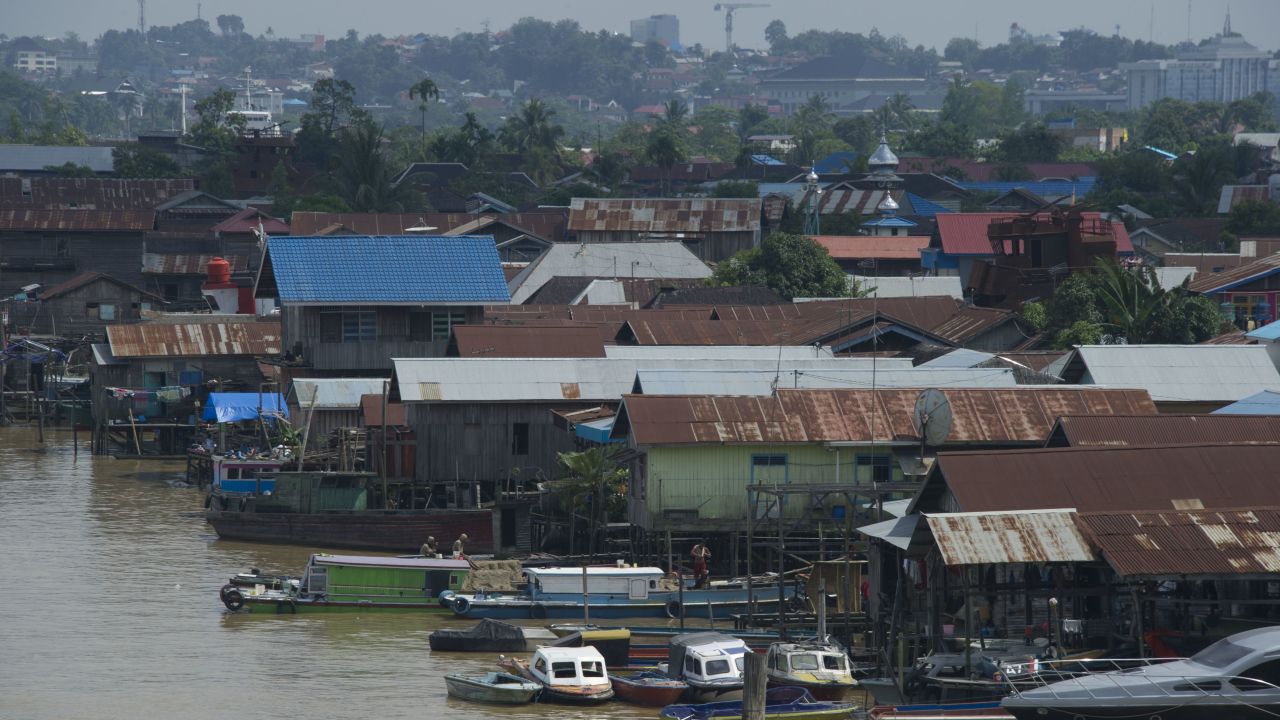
{"type": "Point", "coordinates": [170, 393]}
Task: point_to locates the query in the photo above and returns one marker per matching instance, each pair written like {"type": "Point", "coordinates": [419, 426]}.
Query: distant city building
{"type": "Point", "coordinates": [1222, 69]}
{"type": "Point", "coordinates": [663, 29]}
{"type": "Point", "coordinates": [843, 82]}
{"type": "Point", "coordinates": [35, 61]}
{"type": "Point", "coordinates": [71, 65]}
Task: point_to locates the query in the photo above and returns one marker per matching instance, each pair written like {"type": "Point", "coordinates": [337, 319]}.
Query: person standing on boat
{"type": "Point", "coordinates": [429, 547]}
{"type": "Point", "coordinates": [700, 554]}
{"type": "Point", "coordinates": [459, 545]}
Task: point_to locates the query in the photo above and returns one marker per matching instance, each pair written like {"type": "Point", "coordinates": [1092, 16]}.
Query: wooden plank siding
{"type": "Point", "coordinates": [474, 442]}
{"type": "Point", "coordinates": [50, 258]}
{"type": "Point", "coordinates": [301, 327]}
{"type": "Point", "coordinates": [77, 312]}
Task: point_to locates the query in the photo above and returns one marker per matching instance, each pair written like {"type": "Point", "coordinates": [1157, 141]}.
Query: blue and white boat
{"type": "Point", "coordinates": [616, 592]}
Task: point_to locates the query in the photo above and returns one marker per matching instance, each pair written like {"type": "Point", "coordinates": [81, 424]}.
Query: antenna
{"type": "Point", "coordinates": [1151, 24]}
{"type": "Point", "coordinates": [1188, 21]}
{"type": "Point", "coordinates": [931, 418]}
{"type": "Point", "coordinates": [142, 17]}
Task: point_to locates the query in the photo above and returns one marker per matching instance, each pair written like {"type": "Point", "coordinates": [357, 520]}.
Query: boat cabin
{"type": "Point", "coordinates": [569, 667]}
{"type": "Point", "coordinates": [363, 578]}
{"type": "Point", "coordinates": [559, 583]}
{"type": "Point", "coordinates": [245, 476]}
{"type": "Point", "coordinates": [810, 662]}
{"type": "Point", "coordinates": [707, 659]}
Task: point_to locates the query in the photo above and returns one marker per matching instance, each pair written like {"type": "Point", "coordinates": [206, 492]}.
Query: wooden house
{"type": "Point", "coordinates": [713, 229]}
{"type": "Point", "coordinates": [348, 304]}
{"type": "Point", "coordinates": [83, 305]}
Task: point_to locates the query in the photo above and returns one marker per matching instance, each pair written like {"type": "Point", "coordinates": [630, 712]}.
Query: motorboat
{"type": "Point", "coordinates": [710, 663]}
{"type": "Point", "coordinates": [647, 687]}
{"type": "Point", "coordinates": [780, 703]}
{"type": "Point", "coordinates": [1236, 677]}
{"type": "Point", "coordinates": [820, 668]}
{"type": "Point", "coordinates": [496, 687]}
{"type": "Point", "coordinates": [567, 675]}
{"type": "Point", "coordinates": [354, 582]}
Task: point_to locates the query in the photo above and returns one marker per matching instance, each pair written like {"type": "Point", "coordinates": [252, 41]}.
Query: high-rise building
{"type": "Point", "coordinates": [664, 29]}
{"type": "Point", "coordinates": [1224, 68]}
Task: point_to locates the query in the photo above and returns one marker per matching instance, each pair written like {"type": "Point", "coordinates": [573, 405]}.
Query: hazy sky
{"type": "Point", "coordinates": [928, 22]}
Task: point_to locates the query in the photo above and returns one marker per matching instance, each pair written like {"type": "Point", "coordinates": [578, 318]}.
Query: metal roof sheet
{"type": "Point", "coordinates": [512, 341]}
{"type": "Point", "coordinates": [855, 247]}
{"type": "Point", "coordinates": [1200, 542]}
{"type": "Point", "coordinates": [1091, 479]}
{"type": "Point", "coordinates": [544, 225]}
{"type": "Point", "coordinates": [187, 264]}
{"type": "Point", "coordinates": [1180, 373]}
{"type": "Point", "coordinates": [387, 270]}
{"type": "Point", "coordinates": [782, 353]}
{"type": "Point", "coordinates": [1021, 415]}
{"type": "Point", "coordinates": [1269, 332]}
{"type": "Point", "coordinates": [1154, 430]}
{"type": "Point", "coordinates": [371, 408]}
{"type": "Point", "coordinates": [966, 233]}
{"type": "Point", "coordinates": [1029, 536]}
{"type": "Point", "coordinates": [1266, 402]}
{"type": "Point", "coordinates": [958, 358]}
{"type": "Point", "coordinates": [664, 215]}
{"type": "Point", "coordinates": [78, 220]}
{"type": "Point", "coordinates": [53, 193]}
{"type": "Point", "coordinates": [693, 381]}
{"type": "Point", "coordinates": [1207, 283]}
{"type": "Point", "coordinates": [911, 287]}
{"type": "Point", "coordinates": [35, 158]}
{"type": "Point", "coordinates": [608, 260]}
{"type": "Point", "coordinates": [335, 393]}
{"type": "Point", "coordinates": [194, 339]}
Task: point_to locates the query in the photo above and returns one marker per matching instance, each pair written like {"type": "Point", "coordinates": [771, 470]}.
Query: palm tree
{"type": "Point", "coordinates": [665, 149]}
{"type": "Point", "coordinates": [675, 113]}
{"type": "Point", "coordinates": [1133, 298]}
{"type": "Point", "coordinates": [898, 111]}
{"type": "Point", "coordinates": [593, 477]}
{"type": "Point", "coordinates": [425, 89]}
{"type": "Point", "coordinates": [363, 175]}
{"type": "Point", "coordinates": [532, 128]}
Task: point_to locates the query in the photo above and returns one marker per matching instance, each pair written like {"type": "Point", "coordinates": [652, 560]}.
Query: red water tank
{"type": "Point", "coordinates": [219, 272]}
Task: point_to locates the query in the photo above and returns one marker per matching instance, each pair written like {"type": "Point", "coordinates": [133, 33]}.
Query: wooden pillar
{"type": "Point", "coordinates": [754, 679]}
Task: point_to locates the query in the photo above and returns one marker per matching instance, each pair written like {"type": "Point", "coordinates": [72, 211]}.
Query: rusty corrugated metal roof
{"type": "Point", "coordinates": [101, 194]}
{"type": "Point", "coordinates": [1029, 536]}
{"type": "Point", "coordinates": [1157, 430]}
{"type": "Point", "coordinates": [89, 277]}
{"type": "Point", "coordinates": [664, 215]}
{"type": "Point", "coordinates": [545, 225]}
{"type": "Point", "coordinates": [1216, 282]}
{"type": "Point", "coordinates": [1197, 542]}
{"type": "Point", "coordinates": [516, 341]}
{"type": "Point", "coordinates": [1179, 478]}
{"type": "Point", "coordinates": [185, 264]}
{"type": "Point", "coordinates": [1015, 416]}
{"type": "Point", "coordinates": [853, 247]}
{"type": "Point", "coordinates": [78, 220]}
{"type": "Point", "coordinates": [194, 339]}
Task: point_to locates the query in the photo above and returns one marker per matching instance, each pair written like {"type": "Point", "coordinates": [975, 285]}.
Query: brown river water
{"type": "Point", "coordinates": [109, 608]}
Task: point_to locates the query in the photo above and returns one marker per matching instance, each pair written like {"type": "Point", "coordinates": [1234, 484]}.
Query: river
{"type": "Point", "coordinates": [109, 583]}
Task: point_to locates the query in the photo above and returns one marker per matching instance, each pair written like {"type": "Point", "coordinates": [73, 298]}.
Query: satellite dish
{"type": "Point", "coordinates": [932, 417]}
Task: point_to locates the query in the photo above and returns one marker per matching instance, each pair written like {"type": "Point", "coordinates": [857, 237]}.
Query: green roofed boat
{"type": "Point", "coordinates": [354, 582]}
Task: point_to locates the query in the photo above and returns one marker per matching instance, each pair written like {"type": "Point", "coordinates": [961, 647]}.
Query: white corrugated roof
{"type": "Point", "coordinates": [613, 260]}
{"type": "Point", "coordinates": [761, 381]}
{"type": "Point", "coordinates": [1181, 373]}
{"type": "Point", "coordinates": [555, 379]}
{"type": "Point", "coordinates": [602, 292]}
{"type": "Point", "coordinates": [1172, 277]}
{"type": "Point", "coordinates": [904, 286]}
{"type": "Point", "coordinates": [738, 352]}
{"type": "Point", "coordinates": [330, 393]}
{"type": "Point", "coordinates": [957, 359]}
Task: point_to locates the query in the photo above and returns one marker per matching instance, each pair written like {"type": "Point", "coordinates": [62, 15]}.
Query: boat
{"type": "Point", "coordinates": [616, 592]}
{"type": "Point", "coordinates": [647, 687]}
{"type": "Point", "coordinates": [780, 703]}
{"type": "Point", "coordinates": [710, 663]}
{"type": "Point", "coordinates": [820, 668]}
{"type": "Point", "coordinates": [614, 645]}
{"type": "Point", "coordinates": [950, 711]}
{"type": "Point", "coordinates": [331, 509]}
{"type": "Point", "coordinates": [355, 582]}
{"type": "Point", "coordinates": [1235, 677]}
{"type": "Point", "coordinates": [496, 687]}
{"type": "Point", "coordinates": [489, 636]}
{"type": "Point", "coordinates": [575, 676]}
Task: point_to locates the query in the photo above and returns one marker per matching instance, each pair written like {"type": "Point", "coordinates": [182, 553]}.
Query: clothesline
{"type": "Point", "coordinates": [168, 393]}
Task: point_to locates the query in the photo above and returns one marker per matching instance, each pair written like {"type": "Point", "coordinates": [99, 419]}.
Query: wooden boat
{"type": "Point", "coordinates": [780, 703]}
{"type": "Point", "coordinates": [496, 687]}
{"type": "Point", "coordinates": [490, 636]}
{"type": "Point", "coordinates": [575, 676]}
{"type": "Point", "coordinates": [820, 668]}
{"type": "Point", "coordinates": [355, 582]}
{"type": "Point", "coordinates": [646, 687]}
{"type": "Point", "coordinates": [331, 510]}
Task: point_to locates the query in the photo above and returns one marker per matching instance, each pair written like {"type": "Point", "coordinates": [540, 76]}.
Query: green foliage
{"type": "Point", "coordinates": [333, 107]}
{"type": "Point", "coordinates": [943, 139]}
{"type": "Point", "coordinates": [715, 137]}
{"type": "Point", "coordinates": [278, 189]}
{"type": "Point", "coordinates": [1074, 300]}
{"type": "Point", "coordinates": [590, 475]}
{"type": "Point", "coordinates": [70, 169]}
{"type": "Point", "coordinates": [791, 265]}
{"type": "Point", "coordinates": [1198, 178]}
{"type": "Point", "coordinates": [1030, 143]}
{"type": "Point", "coordinates": [320, 202]}
{"type": "Point", "coordinates": [1081, 332]}
{"type": "Point", "coordinates": [137, 161]}
{"type": "Point", "coordinates": [665, 149]}
{"type": "Point", "coordinates": [363, 176]}
{"type": "Point", "coordinates": [532, 129]}
{"type": "Point", "coordinates": [1036, 315]}
{"type": "Point", "coordinates": [736, 189]}
{"type": "Point", "coordinates": [216, 179]}
{"type": "Point", "coordinates": [1254, 217]}
{"type": "Point", "coordinates": [982, 107]}
{"type": "Point", "coordinates": [858, 132]}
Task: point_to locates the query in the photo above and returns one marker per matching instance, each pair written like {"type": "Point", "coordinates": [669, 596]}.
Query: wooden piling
{"type": "Point", "coordinates": [754, 680]}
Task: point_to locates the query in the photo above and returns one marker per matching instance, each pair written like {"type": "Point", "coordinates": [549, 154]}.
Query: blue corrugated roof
{"type": "Point", "coordinates": [925, 208]}
{"type": "Point", "coordinates": [839, 161]}
{"type": "Point", "coordinates": [765, 160]}
{"type": "Point", "coordinates": [1266, 402]}
{"type": "Point", "coordinates": [1270, 332]}
{"type": "Point", "coordinates": [889, 222]}
{"type": "Point", "coordinates": [386, 269]}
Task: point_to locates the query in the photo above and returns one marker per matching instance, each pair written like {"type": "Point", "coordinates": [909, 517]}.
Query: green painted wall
{"type": "Point", "coordinates": [713, 478]}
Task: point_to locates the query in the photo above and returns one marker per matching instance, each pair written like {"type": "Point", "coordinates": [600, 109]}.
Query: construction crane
{"type": "Point", "coordinates": [729, 9]}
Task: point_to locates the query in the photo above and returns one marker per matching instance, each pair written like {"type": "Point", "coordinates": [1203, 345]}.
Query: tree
{"type": "Point", "coordinates": [859, 132]}
{"type": "Point", "coordinates": [280, 192]}
{"type": "Point", "coordinates": [791, 265]}
{"type": "Point", "coordinates": [532, 128]}
{"type": "Point", "coordinates": [595, 486]}
{"type": "Point", "coordinates": [898, 112]}
{"type": "Point", "coordinates": [425, 89]}
{"type": "Point", "coordinates": [749, 117]}
{"type": "Point", "coordinates": [775, 33]}
{"type": "Point", "coordinates": [1198, 178]}
{"type": "Point", "coordinates": [665, 149]}
{"type": "Point", "coordinates": [363, 175]}
{"type": "Point", "coordinates": [333, 107]}
{"type": "Point", "coordinates": [138, 161]}
{"type": "Point", "coordinates": [1074, 301]}
{"type": "Point", "coordinates": [943, 139]}
{"type": "Point", "coordinates": [1254, 217]}
{"type": "Point", "coordinates": [963, 50]}
{"type": "Point", "coordinates": [675, 115]}
{"type": "Point", "coordinates": [70, 169]}
{"type": "Point", "coordinates": [1030, 143]}
{"type": "Point", "coordinates": [736, 189]}
{"type": "Point", "coordinates": [230, 24]}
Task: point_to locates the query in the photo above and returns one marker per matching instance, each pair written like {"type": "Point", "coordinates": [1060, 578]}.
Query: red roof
{"type": "Point", "coordinates": [853, 247]}
{"type": "Point", "coordinates": [246, 221]}
{"type": "Point", "coordinates": [966, 233]}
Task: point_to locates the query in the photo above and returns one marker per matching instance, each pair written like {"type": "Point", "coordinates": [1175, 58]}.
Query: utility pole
{"type": "Point", "coordinates": [142, 17]}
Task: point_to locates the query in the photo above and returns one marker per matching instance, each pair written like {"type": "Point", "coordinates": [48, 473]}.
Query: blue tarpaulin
{"type": "Point", "coordinates": [234, 407]}
{"type": "Point", "coordinates": [596, 430]}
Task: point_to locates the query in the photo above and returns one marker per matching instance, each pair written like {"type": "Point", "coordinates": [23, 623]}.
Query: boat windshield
{"type": "Point", "coordinates": [592, 669]}
{"type": "Point", "coordinates": [740, 663]}
{"type": "Point", "coordinates": [804, 662]}
{"type": "Point", "coordinates": [717, 667]}
{"type": "Point", "coordinates": [564, 670]}
{"type": "Point", "coordinates": [833, 662]}
{"type": "Point", "coordinates": [1220, 654]}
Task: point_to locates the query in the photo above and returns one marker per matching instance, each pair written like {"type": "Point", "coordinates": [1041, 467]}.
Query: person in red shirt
{"type": "Point", "coordinates": [700, 553]}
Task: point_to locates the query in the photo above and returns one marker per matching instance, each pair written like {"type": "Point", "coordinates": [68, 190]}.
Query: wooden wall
{"type": "Point", "coordinates": [302, 325]}
{"type": "Point", "coordinates": [51, 258]}
{"type": "Point", "coordinates": [71, 314]}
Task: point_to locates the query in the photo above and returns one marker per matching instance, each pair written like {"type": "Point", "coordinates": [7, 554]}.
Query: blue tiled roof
{"type": "Point", "coordinates": [925, 208]}
{"type": "Point", "coordinates": [387, 269]}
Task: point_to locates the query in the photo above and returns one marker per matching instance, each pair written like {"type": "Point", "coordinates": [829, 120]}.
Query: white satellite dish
{"type": "Point", "coordinates": [932, 418]}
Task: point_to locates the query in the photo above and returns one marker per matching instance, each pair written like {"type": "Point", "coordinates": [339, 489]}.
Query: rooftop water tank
{"type": "Point", "coordinates": [219, 272]}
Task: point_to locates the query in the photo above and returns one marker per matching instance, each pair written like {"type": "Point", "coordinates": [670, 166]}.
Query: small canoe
{"type": "Point", "coordinates": [783, 703]}
{"type": "Point", "coordinates": [495, 687]}
{"type": "Point", "coordinates": [646, 687]}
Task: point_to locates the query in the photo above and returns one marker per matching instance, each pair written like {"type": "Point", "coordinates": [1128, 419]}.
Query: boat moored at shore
{"type": "Point", "coordinates": [355, 582]}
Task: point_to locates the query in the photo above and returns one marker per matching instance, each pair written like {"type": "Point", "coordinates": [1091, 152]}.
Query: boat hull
{"type": "Point", "coordinates": [365, 530]}
{"type": "Point", "coordinates": [293, 606]}
{"type": "Point", "coordinates": [647, 689]}
{"type": "Point", "coordinates": [1192, 710]}
{"type": "Point", "coordinates": [472, 690]}
{"type": "Point", "coordinates": [521, 608]}
{"type": "Point", "coordinates": [820, 691]}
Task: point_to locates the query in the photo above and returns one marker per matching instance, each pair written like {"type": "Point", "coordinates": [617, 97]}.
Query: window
{"type": "Point", "coordinates": [419, 326]}
{"type": "Point", "coordinates": [592, 669]}
{"type": "Point", "coordinates": [471, 439]}
{"type": "Point", "coordinates": [739, 663]}
{"type": "Point", "coordinates": [520, 438]}
{"type": "Point", "coordinates": [689, 666]}
{"type": "Point", "coordinates": [348, 325]}
{"type": "Point", "coordinates": [804, 662]}
{"type": "Point", "coordinates": [540, 666]}
{"type": "Point", "coordinates": [1263, 676]}
{"type": "Point", "coordinates": [833, 662]}
{"type": "Point", "coordinates": [717, 667]}
{"type": "Point", "coordinates": [106, 311]}
{"type": "Point", "coordinates": [873, 468]}
{"type": "Point", "coordinates": [318, 579]}
{"type": "Point", "coordinates": [442, 323]}
{"type": "Point", "coordinates": [564, 670]}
